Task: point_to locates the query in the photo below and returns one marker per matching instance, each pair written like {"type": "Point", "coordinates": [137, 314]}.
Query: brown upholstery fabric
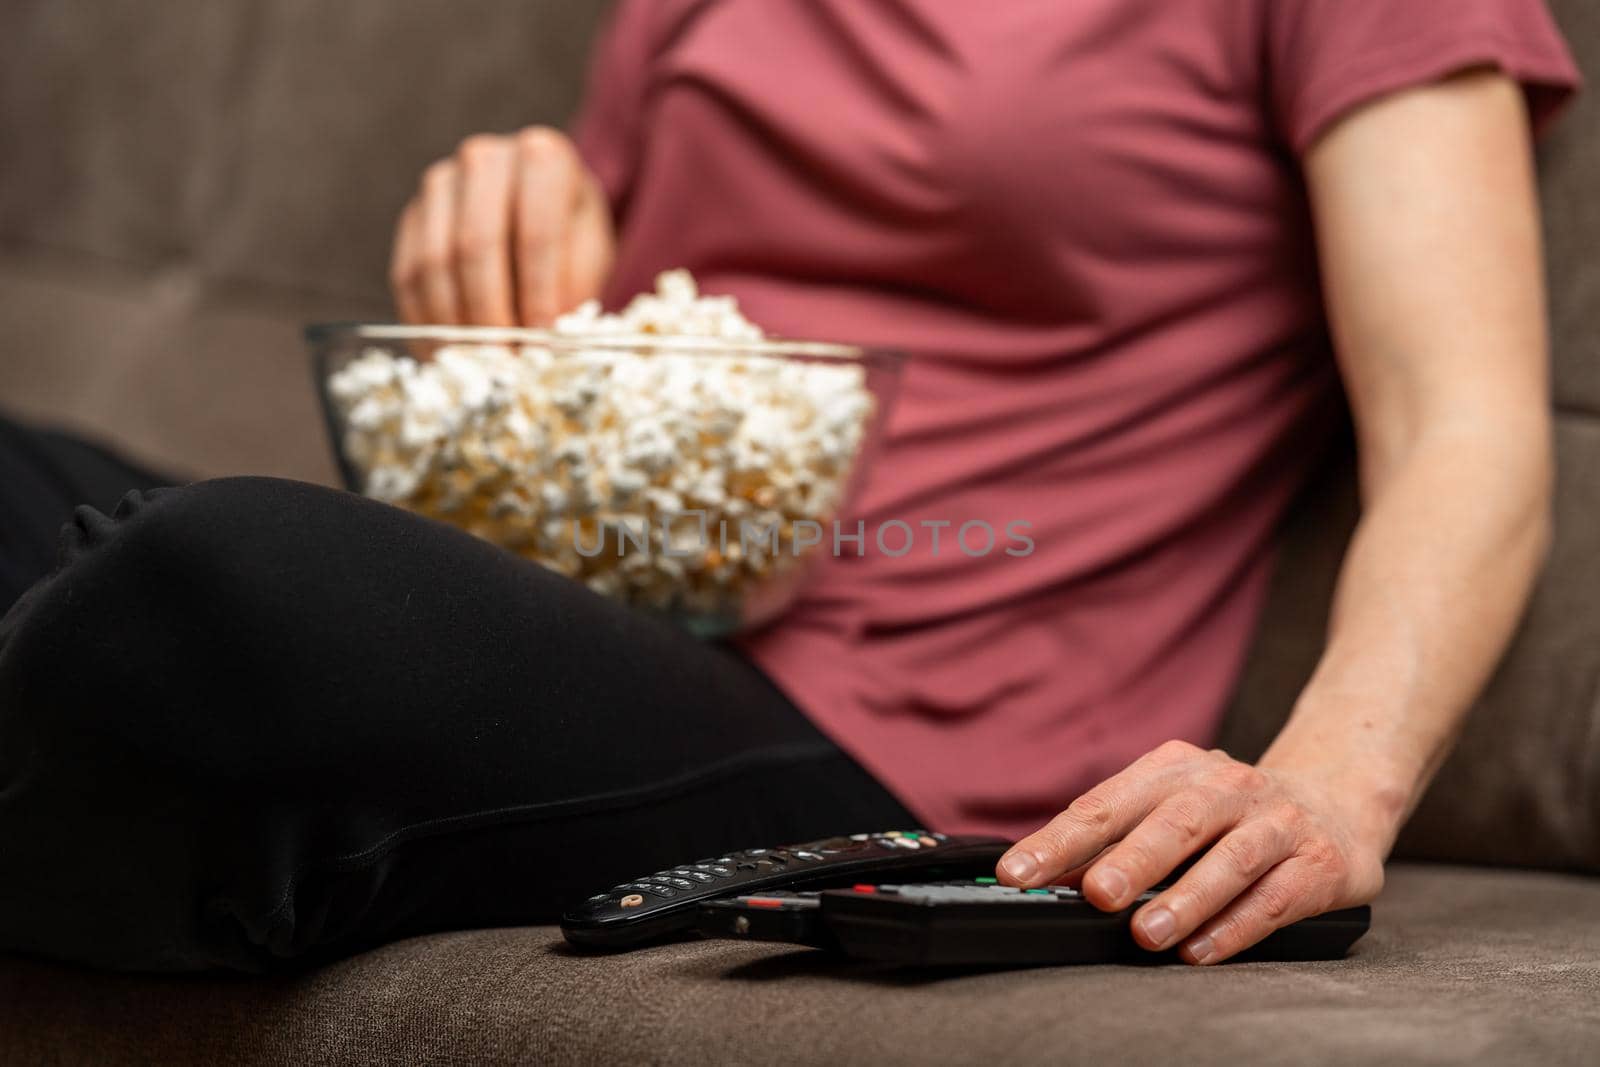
{"type": "Point", "coordinates": [187, 183]}
{"type": "Point", "coordinates": [1461, 964]}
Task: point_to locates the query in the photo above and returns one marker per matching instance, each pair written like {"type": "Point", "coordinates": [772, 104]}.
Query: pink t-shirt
{"type": "Point", "coordinates": [1087, 224]}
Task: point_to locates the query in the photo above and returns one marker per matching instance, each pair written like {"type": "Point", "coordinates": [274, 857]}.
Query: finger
{"type": "Point", "coordinates": [1090, 823]}
{"type": "Point", "coordinates": [483, 231]}
{"type": "Point", "coordinates": [1289, 892]}
{"type": "Point", "coordinates": [1175, 829]}
{"type": "Point", "coordinates": [404, 266]}
{"type": "Point", "coordinates": [1098, 818]}
{"type": "Point", "coordinates": [436, 234]}
{"type": "Point", "coordinates": [1227, 869]}
{"type": "Point", "coordinates": [590, 248]}
{"type": "Point", "coordinates": [545, 196]}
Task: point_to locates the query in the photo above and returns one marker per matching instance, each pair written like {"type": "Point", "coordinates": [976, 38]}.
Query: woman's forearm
{"type": "Point", "coordinates": [1435, 579]}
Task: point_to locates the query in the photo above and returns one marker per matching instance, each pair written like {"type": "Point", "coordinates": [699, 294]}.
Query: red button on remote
{"type": "Point", "coordinates": [861, 888]}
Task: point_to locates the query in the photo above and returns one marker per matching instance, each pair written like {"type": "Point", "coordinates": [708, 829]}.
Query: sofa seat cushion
{"type": "Point", "coordinates": [1461, 963]}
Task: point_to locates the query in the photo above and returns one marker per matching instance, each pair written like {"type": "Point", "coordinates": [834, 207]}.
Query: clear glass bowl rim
{"type": "Point", "coordinates": [321, 335]}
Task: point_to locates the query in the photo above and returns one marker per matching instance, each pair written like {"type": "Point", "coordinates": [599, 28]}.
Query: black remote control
{"type": "Point", "coordinates": [667, 902]}
{"type": "Point", "coordinates": [980, 923]}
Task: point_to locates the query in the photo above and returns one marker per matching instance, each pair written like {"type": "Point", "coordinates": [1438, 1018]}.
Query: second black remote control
{"type": "Point", "coordinates": [665, 903]}
{"type": "Point", "coordinates": [977, 922]}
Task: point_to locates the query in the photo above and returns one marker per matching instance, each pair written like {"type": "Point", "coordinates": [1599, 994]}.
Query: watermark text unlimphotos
{"type": "Point", "coordinates": [689, 533]}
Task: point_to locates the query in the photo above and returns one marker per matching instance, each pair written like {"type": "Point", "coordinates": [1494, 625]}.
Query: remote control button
{"type": "Point", "coordinates": [763, 902]}
{"type": "Point", "coordinates": [652, 888]}
{"type": "Point", "coordinates": [926, 840]}
{"type": "Point", "coordinates": [864, 888]}
{"type": "Point", "coordinates": [807, 856]}
{"type": "Point", "coordinates": [860, 837]}
{"type": "Point", "coordinates": [598, 898]}
{"type": "Point", "coordinates": [632, 900]}
{"type": "Point", "coordinates": [699, 876]}
{"type": "Point", "coordinates": [986, 880]}
{"type": "Point", "coordinates": [677, 883]}
{"type": "Point", "coordinates": [1037, 892]}
{"type": "Point", "coordinates": [720, 870]}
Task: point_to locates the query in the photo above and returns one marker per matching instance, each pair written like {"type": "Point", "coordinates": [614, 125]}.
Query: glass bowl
{"type": "Point", "coordinates": [696, 478]}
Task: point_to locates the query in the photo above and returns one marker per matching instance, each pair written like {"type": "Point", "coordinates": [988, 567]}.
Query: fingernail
{"type": "Point", "coordinates": [1112, 882]}
{"type": "Point", "coordinates": [1201, 949]}
{"type": "Point", "coordinates": [1158, 925]}
{"type": "Point", "coordinates": [1019, 866]}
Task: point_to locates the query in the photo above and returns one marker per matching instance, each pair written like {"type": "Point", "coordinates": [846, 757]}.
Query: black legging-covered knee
{"type": "Point", "coordinates": [251, 720]}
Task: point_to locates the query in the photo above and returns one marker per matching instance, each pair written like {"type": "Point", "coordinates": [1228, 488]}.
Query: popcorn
{"type": "Point", "coordinates": [635, 472]}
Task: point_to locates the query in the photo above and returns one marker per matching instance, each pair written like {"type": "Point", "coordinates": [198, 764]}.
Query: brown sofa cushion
{"type": "Point", "coordinates": [1460, 964]}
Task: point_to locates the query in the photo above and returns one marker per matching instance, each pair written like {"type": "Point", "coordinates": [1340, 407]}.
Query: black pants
{"type": "Point", "coordinates": [251, 721]}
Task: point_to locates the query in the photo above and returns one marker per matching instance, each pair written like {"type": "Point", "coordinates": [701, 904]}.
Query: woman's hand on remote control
{"type": "Point", "coordinates": [510, 230]}
{"type": "Point", "coordinates": [1275, 847]}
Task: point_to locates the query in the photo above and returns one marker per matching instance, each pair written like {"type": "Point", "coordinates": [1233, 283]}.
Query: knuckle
{"type": "Point", "coordinates": [1246, 855]}
{"type": "Point", "coordinates": [1049, 841]}
{"type": "Point", "coordinates": [1092, 810]}
{"type": "Point", "coordinates": [439, 172]}
{"type": "Point", "coordinates": [543, 144]}
{"type": "Point", "coordinates": [1185, 819]}
{"type": "Point", "coordinates": [1290, 821]}
{"type": "Point", "coordinates": [1131, 857]}
{"type": "Point", "coordinates": [480, 148]}
{"type": "Point", "coordinates": [1323, 855]}
{"type": "Point", "coordinates": [1276, 900]}
{"type": "Point", "coordinates": [1240, 777]}
{"type": "Point", "coordinates": [1175, 751]}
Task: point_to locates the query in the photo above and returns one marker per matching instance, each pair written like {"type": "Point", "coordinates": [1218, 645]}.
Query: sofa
{"type": "Point", "coordinates": [185, 184]}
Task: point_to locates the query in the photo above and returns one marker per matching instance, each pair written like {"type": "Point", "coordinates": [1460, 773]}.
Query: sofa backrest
{"type": "Point", "coordinates": [184, 184]}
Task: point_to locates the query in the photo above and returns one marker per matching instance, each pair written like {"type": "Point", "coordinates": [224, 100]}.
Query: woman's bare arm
{"type": "Point", "coordinates": [1429, 235]}
{"type": "Point", "coordinates": [1428, 230]}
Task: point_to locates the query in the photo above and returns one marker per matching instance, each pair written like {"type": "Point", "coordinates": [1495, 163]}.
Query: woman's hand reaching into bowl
{"type": "Point", "coordinates": [511, 230]}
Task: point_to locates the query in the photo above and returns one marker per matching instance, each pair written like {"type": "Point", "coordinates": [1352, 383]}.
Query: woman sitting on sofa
{"type": "Point", "coordinates": [1136, 246]}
